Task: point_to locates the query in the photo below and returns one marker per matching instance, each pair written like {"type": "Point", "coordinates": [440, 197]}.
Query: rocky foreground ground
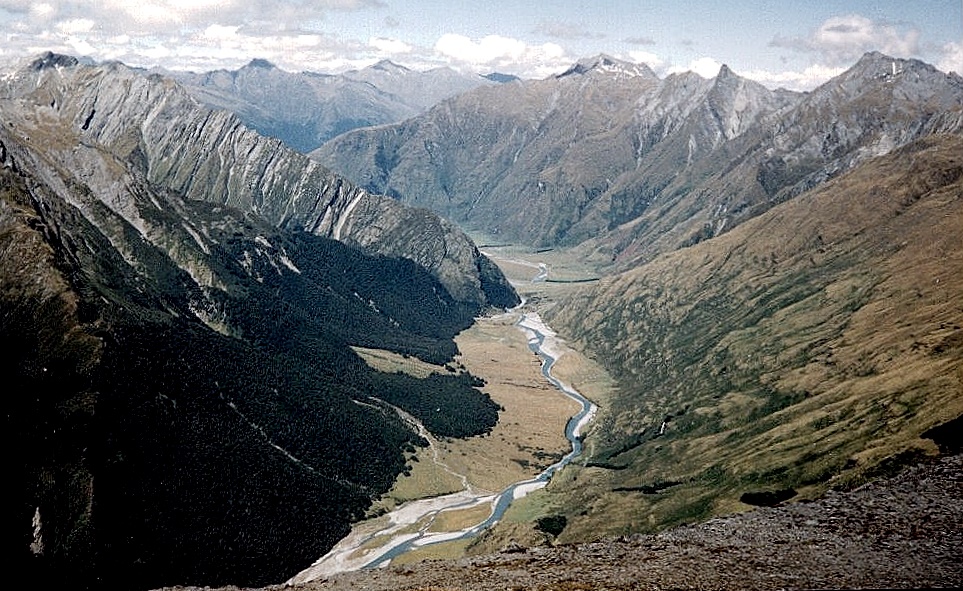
{"type": "Point", "coordinates": [902, 532]}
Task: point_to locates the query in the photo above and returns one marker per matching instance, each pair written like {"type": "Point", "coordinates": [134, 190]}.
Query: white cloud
{"type": "Point", "coordinates": [42, 10]}
{"type": "Point", "coordinates": [489, 49]}
{"type": "Point", "coordinates": [504, 54]}
{"type": "Point", "coordinates": [75, 26]}
{"type": "Point", "coordinates": [807, 79]}
{"type": "Point", "coordinates": [648, 58]}
{"type": "Point", "coordinates": [186, 34]}
{"type": "Point", "coordinates": [706, 67]}
{"type": "Point", "coordinates": [843, 39]}
{"type": "Point", "coordinates": [221, 33]}
{"type": "Point", "coordinates": [389, 47]}
{"type": "Point", "coordinates": [566, 30]}
{"type": "Point", "coordinates": [952, 58]}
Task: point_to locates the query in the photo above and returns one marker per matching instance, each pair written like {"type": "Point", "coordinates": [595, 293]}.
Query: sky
{"type": "Point", "coordinates": [793, 44]}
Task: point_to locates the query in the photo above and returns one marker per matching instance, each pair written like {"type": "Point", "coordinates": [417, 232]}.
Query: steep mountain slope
{"type": "Point", "coordinates": [520, 158]}
{"type": "Point", "coordinates": [180, 388]}
{"type": "Point", "coordinates": [306, 109]}
{"type": "Point", "coordinates": [149, 122]}
{"type": "Point", "coordinates": [609, 153]}
{"type": "Point", "coordinates": [807, 348]}
{"type": "Point", "coordinates": [865, 112]}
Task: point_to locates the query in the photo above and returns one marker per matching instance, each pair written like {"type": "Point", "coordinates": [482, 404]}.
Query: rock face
{"type": "Point", "coordinates": [306, 109]}
{"type": "Point", "coordinates": [609, 152]}
{"type": "Point", "coordinates": [178, 300]}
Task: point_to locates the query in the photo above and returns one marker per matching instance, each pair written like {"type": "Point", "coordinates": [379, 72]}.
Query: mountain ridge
{"type": "Point", "coordinates": [589, 169]}
{"type": "Point", "coordinates": [820, 339]}
{"type": "Point", "coordinates": [245, 170]}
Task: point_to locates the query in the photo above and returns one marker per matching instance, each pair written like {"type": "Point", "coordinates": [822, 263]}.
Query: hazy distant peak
{"type": "Point", "coordinates": [389, 66]}
{"type": "Point", "coordinates": [260, 63]}
{"type": "Point", "coordinates": [607, 64]}
{"type": "Point", "coordinates": [501, 78]}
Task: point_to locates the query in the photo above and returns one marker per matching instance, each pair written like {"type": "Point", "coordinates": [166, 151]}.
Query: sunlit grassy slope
{"type": "Point", "coordinates": [806, 349]}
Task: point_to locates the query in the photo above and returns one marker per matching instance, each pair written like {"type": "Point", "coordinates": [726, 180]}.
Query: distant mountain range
{"type": "Point", "coordinates": [179, 295]}
{"type": "Point", "coordinates": [306, 109]}
{"type": "Point", "coordinates": [609, 152]}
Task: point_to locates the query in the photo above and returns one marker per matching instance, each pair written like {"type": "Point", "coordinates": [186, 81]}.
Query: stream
{"type": "Point", "coordinates": [363, 547]}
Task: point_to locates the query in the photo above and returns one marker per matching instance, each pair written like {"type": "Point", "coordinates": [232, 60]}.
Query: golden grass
{"type": "Point", "coordinates": [529, 435]}
{"type": "Point", "coordinates": [459, 519]}
{"type": "Point", "coordinates": [391, 362]}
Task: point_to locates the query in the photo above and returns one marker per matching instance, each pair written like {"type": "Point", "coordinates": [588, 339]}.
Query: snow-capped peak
{"type": "Point", "coordinates": [609, 65]}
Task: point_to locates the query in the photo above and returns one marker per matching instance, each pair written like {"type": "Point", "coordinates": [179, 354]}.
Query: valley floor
{"type": "Point", "coordinates": [902, 532]}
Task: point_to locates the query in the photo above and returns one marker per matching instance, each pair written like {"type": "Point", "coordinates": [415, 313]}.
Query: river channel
{"type": "Point", "coordinates": [372, 547]}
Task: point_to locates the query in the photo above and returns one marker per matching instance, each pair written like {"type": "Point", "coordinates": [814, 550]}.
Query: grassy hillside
{"type": "Point", "coordinates": [807, 349]}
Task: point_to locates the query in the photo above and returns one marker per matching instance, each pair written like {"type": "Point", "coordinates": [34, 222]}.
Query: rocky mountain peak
{"type": "Point", "coordinates": [727, 85]}
{"type": "Point", "coordinates": [905, 86]}
{"type": "Point", "coordinates": [53, 60]}
{"type": "Point", "coordinates": [607, 64]}
{"type": "Point", "coordinates": [875, 69]}
{"type": "Point", "coordinates": [875, 63]}
{"type": "Point", "coordinates": [725, 74]}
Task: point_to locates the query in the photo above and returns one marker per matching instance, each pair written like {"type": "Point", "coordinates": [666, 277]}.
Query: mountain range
{"type": "Point", "coordinates": [306, 109]}
{"type": "Point", "coordinates": [777, 296]}
{"type": "Point", "coordinates": [779, 299]}
{"type": "Point", "coordinates": [609, 153]}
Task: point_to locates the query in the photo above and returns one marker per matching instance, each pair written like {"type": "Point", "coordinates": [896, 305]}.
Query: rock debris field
{"type": "Point", "coordinates": [902, 532]}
